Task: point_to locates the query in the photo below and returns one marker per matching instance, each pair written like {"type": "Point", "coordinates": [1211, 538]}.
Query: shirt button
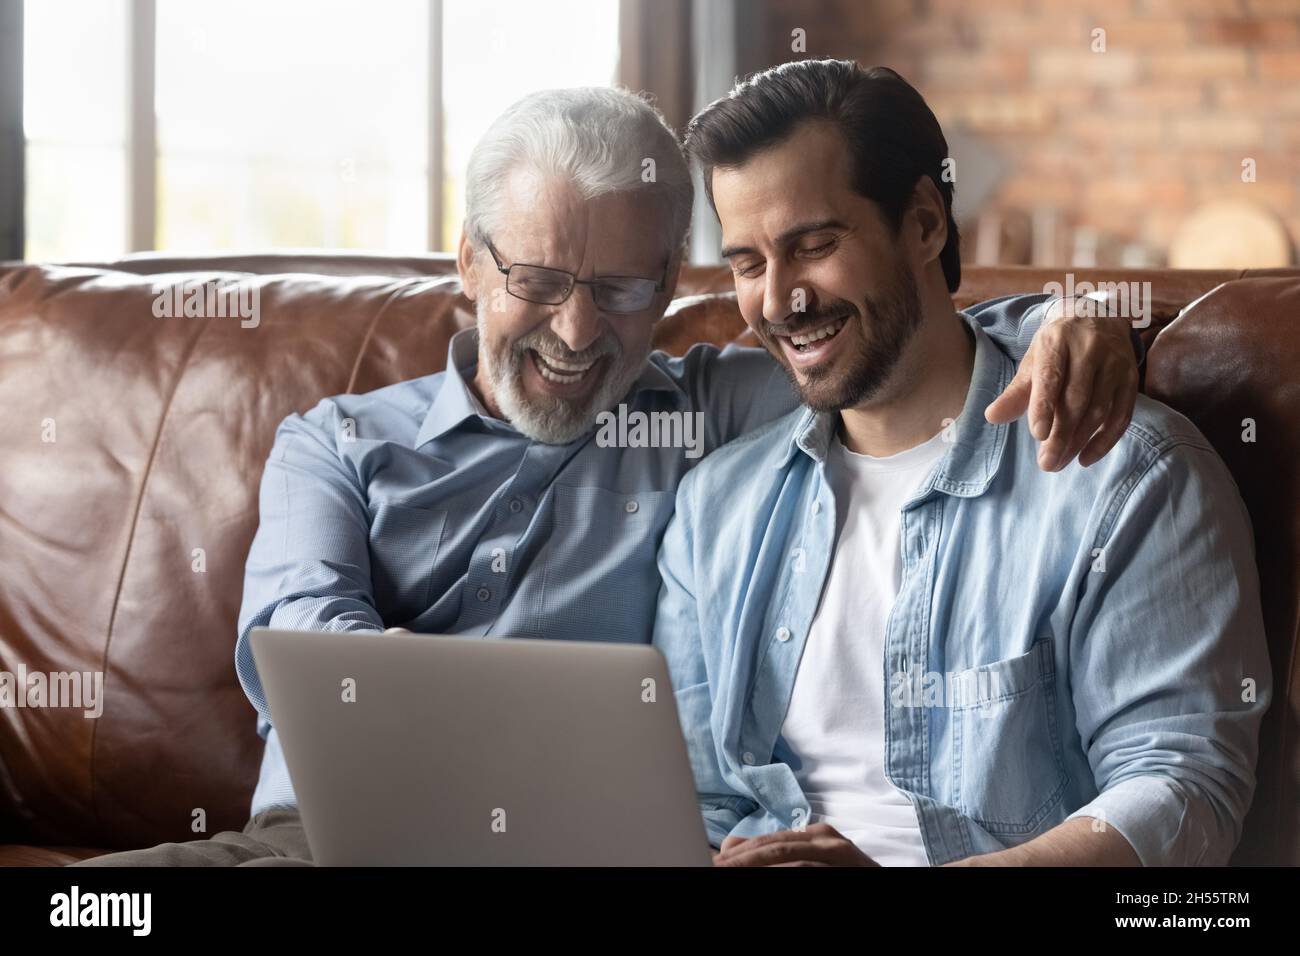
{"type": "Point", "coordinates": [748, 758]}
{"type": "Point", "coordinates": [516, 505]}
{"type": "Point", "coordinates": [817, 507]}
{"type": "Point", "coordinates": [484, 594]}
{"type": "Point", "coordinates": [631, 506]}
{"type": "Point", "coordinates": [783, 634]}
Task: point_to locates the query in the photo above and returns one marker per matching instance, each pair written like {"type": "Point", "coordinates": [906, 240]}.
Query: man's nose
{"type": "Point", "coordinates": [783, 295]}
{"type": "Point", "coordinates": [577, 321]}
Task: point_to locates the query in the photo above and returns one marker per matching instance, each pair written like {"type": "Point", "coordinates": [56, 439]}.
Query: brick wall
{"type": "Point", "coordinates": [1128, 141]}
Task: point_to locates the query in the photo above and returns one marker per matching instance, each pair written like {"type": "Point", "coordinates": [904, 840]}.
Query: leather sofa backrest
{"type": "Point", "coordinates": [122, 541]}
{"type": "Point", "coordinates": [1231, 360]}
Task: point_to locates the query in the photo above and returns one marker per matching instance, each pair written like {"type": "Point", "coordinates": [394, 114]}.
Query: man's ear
{"type": "Point", "coordinates": [467, 266]}
{"type": "Point", "coordinates": [932, 219]}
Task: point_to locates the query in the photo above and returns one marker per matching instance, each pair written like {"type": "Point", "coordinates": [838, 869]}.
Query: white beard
{"type": "Point", "coordinates": [547, 419]}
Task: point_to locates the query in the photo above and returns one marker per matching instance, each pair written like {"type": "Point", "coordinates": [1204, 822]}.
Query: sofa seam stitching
{"type": "Point", "coordinates": [130, 543]}
{"type": "Point", "coordinates": [370, 333]}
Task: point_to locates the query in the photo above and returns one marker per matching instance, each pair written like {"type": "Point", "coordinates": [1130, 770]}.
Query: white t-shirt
{"type": "Point", "coordinates": [835, 724]}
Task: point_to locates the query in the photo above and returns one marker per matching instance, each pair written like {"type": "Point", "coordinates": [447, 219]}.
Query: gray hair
{"type": "Point", "coordinates": [596, 138]}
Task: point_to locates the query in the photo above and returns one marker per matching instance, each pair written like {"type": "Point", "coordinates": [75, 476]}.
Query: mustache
{"type": "Point", "coordinates": [548, 343]}
{"type": "Point", "coordinates": [804, 321]}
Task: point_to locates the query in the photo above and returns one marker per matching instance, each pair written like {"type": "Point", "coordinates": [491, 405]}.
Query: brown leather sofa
{"type": "Point", "coordinates": [161, 427]}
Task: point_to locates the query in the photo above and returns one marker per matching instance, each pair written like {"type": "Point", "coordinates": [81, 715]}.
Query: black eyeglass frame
{"type": "Point", "coordinates": [574, 282]}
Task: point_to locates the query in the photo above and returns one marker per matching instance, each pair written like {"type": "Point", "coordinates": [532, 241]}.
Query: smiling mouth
{"type": "Point", "coordinates": [561, 371]}
{"type": "Point", "coordinates": [803, 341]}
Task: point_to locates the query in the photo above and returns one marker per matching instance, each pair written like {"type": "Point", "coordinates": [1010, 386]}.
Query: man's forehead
{"type": "Point", "coordinates": [780, 220]}
{"type": "Point", "coordinates": [760, 216]}
{"type": "Point", "coordinates": [803, 178]}
{"type": "Point", "coordinates": [553, 215]}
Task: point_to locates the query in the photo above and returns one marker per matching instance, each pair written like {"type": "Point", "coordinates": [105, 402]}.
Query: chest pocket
{"type": "Point", "coordinates": [404, 543]}
{"type": "Point", "coordinates": [1008, 773]}
{"type": "Point", "coordinates": [601, 579]}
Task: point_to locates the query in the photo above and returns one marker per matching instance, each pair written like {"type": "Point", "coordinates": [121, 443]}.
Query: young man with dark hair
{"type": "Point", "coordinates": [894, 639]}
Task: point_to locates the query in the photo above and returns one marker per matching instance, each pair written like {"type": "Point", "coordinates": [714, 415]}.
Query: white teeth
{"type": "Point", "coordinates": [564, 366]}
{"type": "Point", "coordinates": [561, 379]}
{"type": "Point", "coordinates": [552, 369]}
{"type": "Point", "coordinates": [826, 331]}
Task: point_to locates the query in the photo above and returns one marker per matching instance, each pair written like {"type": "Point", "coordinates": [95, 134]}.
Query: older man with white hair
{"type": "Point", "coordinates": [479, 501]}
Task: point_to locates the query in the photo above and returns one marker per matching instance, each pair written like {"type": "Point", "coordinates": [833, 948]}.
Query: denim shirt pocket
{"type": "Point", "coordinates": [1008, 772]}
{"type": "Point", "coordinates": [404, 544]}
{"type": "Point", "coordinates": [601, 579]}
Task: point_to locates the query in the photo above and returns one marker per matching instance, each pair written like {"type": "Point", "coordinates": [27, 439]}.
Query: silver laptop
{"type": "Point", "coordinates": [427, 750]}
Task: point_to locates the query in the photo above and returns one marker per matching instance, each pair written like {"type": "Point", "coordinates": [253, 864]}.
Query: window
{"type": "Point", "coordinates": [75, 124]}
{"type": "Point", "coordinates": [489, 47]}
{"type": "Point", "coordinates": [300, 123]}
{"type": "Point", "coordinates": [291, 124]}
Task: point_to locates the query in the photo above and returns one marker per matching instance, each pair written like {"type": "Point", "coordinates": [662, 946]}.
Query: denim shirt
{"type": "Point", "coordinates": [407, 506]}
{"type": "Point", "coordinates": [1087, 640]}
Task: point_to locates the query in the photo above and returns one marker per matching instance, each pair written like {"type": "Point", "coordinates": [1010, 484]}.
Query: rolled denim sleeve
{"type": "Point", "coordinates": [1012, 321]}
{"type": "Point", "coordinates": [1166, 648]}
{"type": "Point", "coordinates": [677, 635]}
{"type": "Point", "coordinates": [309, 564]}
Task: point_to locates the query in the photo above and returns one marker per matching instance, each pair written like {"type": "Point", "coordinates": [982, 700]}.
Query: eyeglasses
{"type": "Point", "coordinates": [546, 286]}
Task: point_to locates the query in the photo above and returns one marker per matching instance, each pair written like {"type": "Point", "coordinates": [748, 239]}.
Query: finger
{"type": "Point", "coordinates": [773, 854]}
{"type": "Point", "coordinates": [1121, 413]}
{"type": "Point", "coordinates": [1114, 390]}
{"type": "Point", "coordinates": [1099, 406]}
{"type": "Point", "coordinates": [1013, 401]}
{"type": "Point", "coordinates": [1116, 376]}
{"type": "Point", "coordinates": [1075, 397]}
{"type": "Point", "coordinates": [812, 831]}
{"type": "Point", "coordinates": [1049, 379]}
{"type": "Point", "coordinates": [803, 863]}
{"type": "Point", "coordinates": [824, 851]}
{"type": "Point", "coordinates": [730, 842]}
{"type": "Point", "coordinates": [779, 838]}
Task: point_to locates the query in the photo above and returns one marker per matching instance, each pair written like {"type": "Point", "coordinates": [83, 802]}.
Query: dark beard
{"type": "Point", "coordinates": [893, 318]}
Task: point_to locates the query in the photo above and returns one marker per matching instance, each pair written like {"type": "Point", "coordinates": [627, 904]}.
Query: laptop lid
{"type": "Point", "coordinates": [429, 750]}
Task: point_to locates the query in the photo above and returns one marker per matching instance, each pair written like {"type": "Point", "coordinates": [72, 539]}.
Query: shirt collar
{"type": "Point", "coordinates": [456, 401]}
{"type": "Point", "coordinates": [971, 463]}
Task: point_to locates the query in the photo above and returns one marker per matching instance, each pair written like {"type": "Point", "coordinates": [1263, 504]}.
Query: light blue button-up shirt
{"type": "Point", "coordinates": [407, 507]}
{"type": "Point", "coordinates": [1104, 623]}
